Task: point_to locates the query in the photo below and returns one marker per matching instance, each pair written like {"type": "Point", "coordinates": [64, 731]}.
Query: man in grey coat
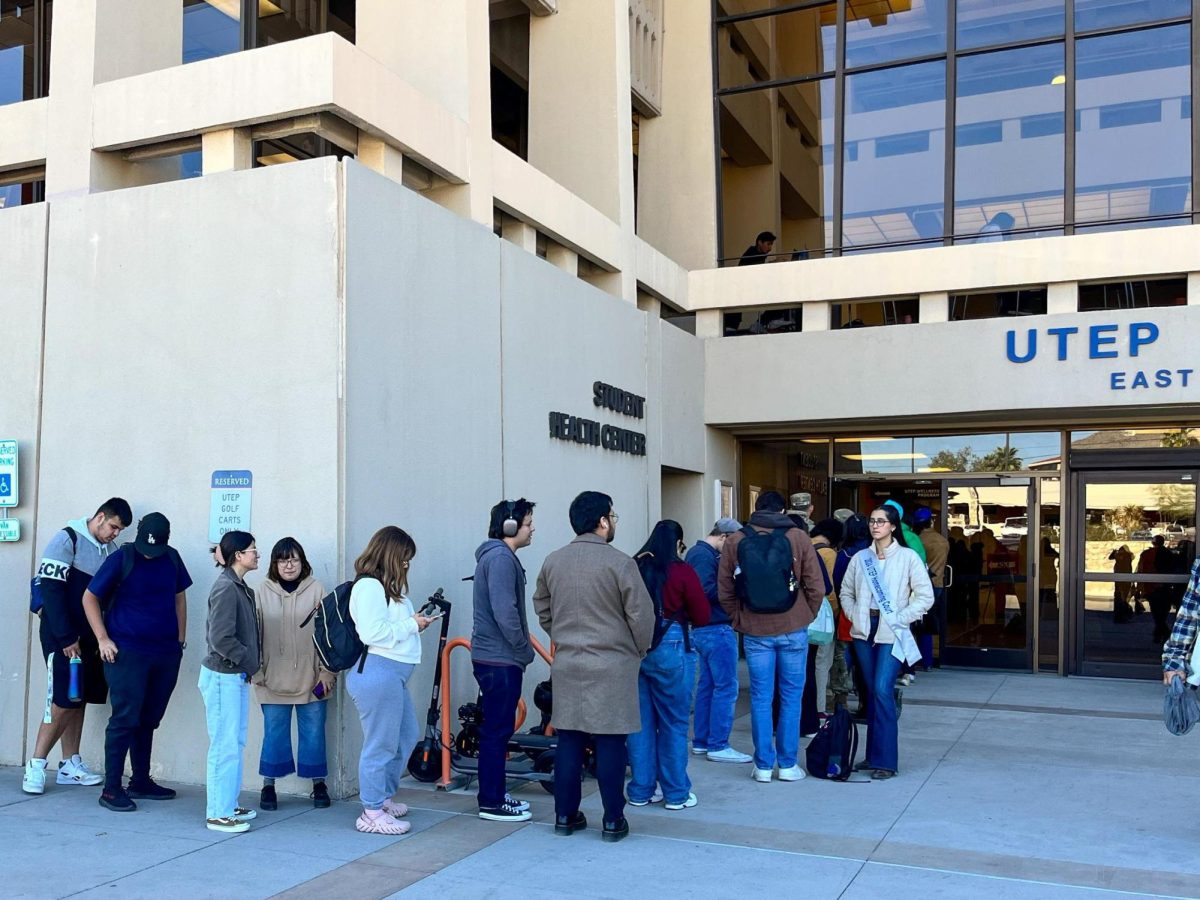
{"type": "Point", "coordinates": [593, 604]}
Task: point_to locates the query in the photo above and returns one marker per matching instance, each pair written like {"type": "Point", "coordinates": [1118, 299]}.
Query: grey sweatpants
{"type": "Point", "coordinates": [389, 724]}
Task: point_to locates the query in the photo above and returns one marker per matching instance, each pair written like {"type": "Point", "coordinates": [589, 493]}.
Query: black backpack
{"type": "Point", "coordinates": [831, 754]}
{"type": "Point", "coordinates": [766, 581]}
{"type": "Point", "coordinates": [334, 634]}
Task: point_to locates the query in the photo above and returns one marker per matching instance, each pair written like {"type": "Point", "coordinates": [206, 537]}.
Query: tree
{"type": "Point", "coordinates": [1126, 519]}
{"type": "Point", "coordinates": [1002, 459]}
{"type": "Point", "coordinates": [1176, 503]}
{"type": "Point", "coordinates": [1180, 439]}
{"type": "Point", "coordinates": [952, 460]}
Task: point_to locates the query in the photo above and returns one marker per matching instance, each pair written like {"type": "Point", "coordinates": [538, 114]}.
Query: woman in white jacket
{"type": "Point", "coordinates": [885, 590]}
{"type": "Point", "coordinates": [386, 623]}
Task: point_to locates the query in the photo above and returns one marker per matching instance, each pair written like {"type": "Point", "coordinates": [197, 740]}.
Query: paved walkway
{"type": "Point", "coordinates": [1012, 786]}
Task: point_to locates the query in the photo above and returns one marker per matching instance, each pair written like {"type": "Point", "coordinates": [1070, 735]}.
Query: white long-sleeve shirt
{"type": "Point", "coordinates": [387, 628]}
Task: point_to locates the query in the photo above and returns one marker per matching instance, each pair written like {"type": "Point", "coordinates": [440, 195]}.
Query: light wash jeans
{"type": "Point", "coordinates": [787, 655]}
{"type": "Point", "coordinates": [389, 724]}
{"type": "Point", "coordinates": [824, 664]}
{"type": "Point", "coordinates": [717, 692]}
{"type": "Point", "coordinates": [658, 754]}
{"type": "Point", "coordinates": [227, 709]}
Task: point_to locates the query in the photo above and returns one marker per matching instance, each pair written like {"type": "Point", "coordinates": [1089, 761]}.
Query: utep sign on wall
{"type": "Point", "coordinates": [229, 502]}
{"type": "Point", "coordinates": [1104, 341]}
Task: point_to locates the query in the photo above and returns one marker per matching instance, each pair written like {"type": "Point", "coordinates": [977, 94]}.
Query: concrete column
{"type": "Point", "coordinates": [520, 233]}
{"type": "Point", "coordinates": [442, 50]}
{"type": "Point", "coordinates": [1063, 297]}
{"type": "Point", "coordinates": [563, 257]}
{"type": "Point", "coordinates": [228, 150]}
{"type": "Point", "coordinates": [1193, 294]}
{"type": "Point", "coordinates": [677, 204]}
{"type": "Point", "coordinates": [94, 41]}
{"type": "Point", "coordinates": [815, 316]}
{"type": "Point", "coordinates": [708, 323]}
{"type": "Point", "coordinates": [933, 307]}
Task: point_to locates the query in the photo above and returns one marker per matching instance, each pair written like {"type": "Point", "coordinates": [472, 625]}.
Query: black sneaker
{"type": "Point", "coordinates": [148, 790]}
{"type": "Point", "coordinates": [505, 812]}
{"type": "Point", "coordinates": [566, 825]}
{"type": "Point", "coordinates": [320, 795]}
{"type": "Point", "coordinates": [117, 801]}
{"type": "Point", "coordinates": [615, 831]}
{"type": "Point", "coordinates": [267, 799]}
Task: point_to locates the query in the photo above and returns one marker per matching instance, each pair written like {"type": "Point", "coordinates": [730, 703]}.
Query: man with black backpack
{"type": "Point", "coordinates": [72, 557]}
{"type": "Point", "coordinates": [142, 636]}
{"type": "Point", "coordinates": [770, 583]}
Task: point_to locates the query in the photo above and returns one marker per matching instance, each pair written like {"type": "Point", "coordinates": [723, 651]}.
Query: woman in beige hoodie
{"type": "Point", "coordinates": [291, 676]}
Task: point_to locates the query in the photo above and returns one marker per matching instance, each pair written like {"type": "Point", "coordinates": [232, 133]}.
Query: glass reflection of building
{"type": "Point", "coordinates": [834, 117]}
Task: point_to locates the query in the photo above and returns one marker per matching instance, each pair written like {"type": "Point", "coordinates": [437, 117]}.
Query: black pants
{"type": "Point", "coordinates": [499, 690]}
{"type": "Point", "coordinates": [140, 684]}
{"type": "Point", "coordinates": [611, 760]}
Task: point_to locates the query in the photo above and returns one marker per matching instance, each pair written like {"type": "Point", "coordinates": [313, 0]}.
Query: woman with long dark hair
{"type": "Point", "coordinates": [658, 754]}
{"type": "Point", "coordinates": [885, 589]}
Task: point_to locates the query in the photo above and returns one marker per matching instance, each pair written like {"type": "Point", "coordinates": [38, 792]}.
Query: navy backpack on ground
{"type": "Point", "coordinates": [832, 752]}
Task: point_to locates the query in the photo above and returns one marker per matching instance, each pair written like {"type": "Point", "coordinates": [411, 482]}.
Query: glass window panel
{"type": "Point", "coordinates": [1094, 14]}
{"type": "Point", "coordinates": [982, 23]}
{"type": "Point", "coordinates": [894, 183]}
{"type": "Point", "coordinates": [737, 7]}
{"type": "Point", "coordinates": [1133, 144]}
{"type": "Point", "coordinates": [772, 48]}
{"type": "Point", "coordinates": [958, 453]}
{"type": "Point", "coordinates": [762, 320]}
{"type": "Point", "coordinates": [878, 455]}
{"type": "Point", "coordinates": [20, 194]}
{"type": "Point", "coordinates": [16, 51]}
{"type": "Point", "coordinates": [870, 313]}
{"type": "Point", "coordinates": [1133, 294]}
{"type": "Point", "coordinates": [211, 28]}
{"type": "Point", "coordinates": [777, 159]}
{"type": "Point", "coordinates": [1013, 181]}
{"type": "Point", "coordinates": [287, 20]}
{"type": "Point", "coordinates": [1171, 437]}
{"type": "Point", "coordinates": [992, 304]}
{"type": "Point", "coordinates": [1049, 556]}
{"type": "Point", "coordinates": [879, 31]}
{"type": "Point", "coordinates": [1040, 451]}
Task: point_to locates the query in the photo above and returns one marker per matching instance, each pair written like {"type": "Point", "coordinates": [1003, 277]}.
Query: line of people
{"type": "Point", "coordinates": [629, 634]}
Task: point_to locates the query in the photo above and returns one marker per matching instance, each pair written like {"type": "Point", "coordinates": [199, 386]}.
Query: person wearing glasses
{"type": "Point", "coordinates": [885, 590]}
{"type": "Point", "coordinates": [233, 657]}
{"type": "Point", "coordinates": [592, 602]}
{"type": "Point", "coordinates": [291, 677]}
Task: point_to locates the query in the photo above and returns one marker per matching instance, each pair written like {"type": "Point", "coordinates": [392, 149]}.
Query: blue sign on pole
{"type": "Point", "coordinates": [5, 484]}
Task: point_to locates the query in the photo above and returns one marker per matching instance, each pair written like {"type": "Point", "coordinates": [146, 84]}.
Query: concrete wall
{"type": "Point", "coordinates": [973, 372]}
{"type": "Point", "coordinates": [190, 327]}
{"type": "Point", "coordinates": [23, 261]}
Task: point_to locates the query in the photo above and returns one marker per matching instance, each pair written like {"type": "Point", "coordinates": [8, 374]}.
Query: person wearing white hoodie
{"type": "Point", "coordinates": [885, 590]}
{"type": "Point", "coordinates": [74, 554]}
{"type": "Point", "coordinates": [291, 677]}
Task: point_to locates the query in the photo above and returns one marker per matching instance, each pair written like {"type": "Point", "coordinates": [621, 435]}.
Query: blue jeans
{"type": "Point", "coordinates": [499, 690]}
{"type": "Point", "coordinates": [785, 655]}
{"type": "Point", "coordinates": [227, 709]}
{"type": "Point", "coordinates": [275, 760]}
{"type": "Point", "coordinates": [716, 695]}
{"type": "Point", "coordinates": [658, 754]}
{"type": "Point", "coordinates": [880, 669]}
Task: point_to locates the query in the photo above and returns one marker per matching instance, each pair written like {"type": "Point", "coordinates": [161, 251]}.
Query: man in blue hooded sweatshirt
{"type": "Point", "coordinates": [500, 649]}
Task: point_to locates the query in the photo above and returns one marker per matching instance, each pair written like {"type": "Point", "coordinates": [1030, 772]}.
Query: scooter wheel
{"type": "Point", "coordinates": [545, 765]}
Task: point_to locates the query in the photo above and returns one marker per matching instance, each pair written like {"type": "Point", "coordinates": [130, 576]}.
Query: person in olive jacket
{"type": "Point", "coordinates": [291, 676]}
{"type": "Point", "coordinates": [232, 658]}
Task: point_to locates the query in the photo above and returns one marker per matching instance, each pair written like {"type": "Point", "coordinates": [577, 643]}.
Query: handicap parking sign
{"type": "Point", "coordinates": [8, 473]}
{"type": "Point", "coordinates": [5, 484]}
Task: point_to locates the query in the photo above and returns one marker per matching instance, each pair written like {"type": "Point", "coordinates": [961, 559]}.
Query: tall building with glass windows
{"type": "Point", "coordinates": [399, 260]}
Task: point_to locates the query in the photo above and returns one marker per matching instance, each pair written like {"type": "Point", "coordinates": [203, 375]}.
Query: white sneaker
{"type": "Point", "coordinates": [34, 781]}
{"type": "Point", "coordinates": [729, 755]}
{"type": "Point", "coordinates": [75, 771]}
{"type": "Point", "coordinates": [763, 775]}
{"type": "Point", "coordinates": [657, 798]}
{"type": "Point", "coordinates": [792, 773]}
{"type": "Point", "coordinates": [228, 824]}
{"type": "Point", "coordinates": [699, 751]}
{"type": "Point", "coordinates": [686, 804]}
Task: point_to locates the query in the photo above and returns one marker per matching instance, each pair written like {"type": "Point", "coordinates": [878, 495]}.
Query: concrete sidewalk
{"type": "Point", "coordinates": [1012, 786]}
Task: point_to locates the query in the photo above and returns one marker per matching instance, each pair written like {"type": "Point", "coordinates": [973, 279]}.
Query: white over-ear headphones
{"type": "Point", "coordinates": [511, 526]}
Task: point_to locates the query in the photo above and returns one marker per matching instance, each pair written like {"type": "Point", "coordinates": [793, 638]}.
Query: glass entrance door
{"type": "Point", "coordinates": [1135, 543]}
{"type": "Point", "coordinates": [988, 612]}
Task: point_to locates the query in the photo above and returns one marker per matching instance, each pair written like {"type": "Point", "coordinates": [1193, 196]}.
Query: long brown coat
{"type": "Point", "coordinates": [592, 602]}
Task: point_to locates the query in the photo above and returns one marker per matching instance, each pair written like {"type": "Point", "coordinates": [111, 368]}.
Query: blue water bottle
{"type": "Point", "coordinates": [75, 691]}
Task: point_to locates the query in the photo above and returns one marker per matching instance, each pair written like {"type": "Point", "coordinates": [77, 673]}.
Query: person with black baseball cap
{"type": "Point", "coordinates": [142, 637]}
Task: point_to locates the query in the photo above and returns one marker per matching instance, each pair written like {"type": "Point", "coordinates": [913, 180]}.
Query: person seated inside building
{"type": "Point", "coordinates": [758, 251]}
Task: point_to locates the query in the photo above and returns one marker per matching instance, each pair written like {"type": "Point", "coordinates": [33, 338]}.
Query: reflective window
{"type": "Point", "coordinates": [895, 155]}
{"type": "Point", "coordinates": [17, 57]}
{"type": "Point", "coordinates": [1008, 170]}
{"type": "Point", "coordinates": [982, 23]}
{"type": "Point", "coordinates": [990, 305]}
{"type": "Point", "coordinates": [1133, 141]}
{"type": "Point", "coordinates": [777, 168]}
{"type": "Point", "coordinates": [869, 313]}
{"type": "Point", "coordinates": [210, 29]}
{"type": "Point", "coordinates": [1172, 437]}
{"type": "Point", "coordinates": [1037, 450]}
{"type": "Point", "coordinates": [1095, 14]}
{"type": "Point", "coordinates": [879, 455]}
{"type": "Point", "coordinates": [21, 194]}
{"type": "Point", "coordinates": [789, 45]}
{"type": "Point", "coordinates": [880, 31]}
{"type": "Point", "coordinates": [1133, 294]}
{"type": "Point", "coordinates": [762, 320]}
